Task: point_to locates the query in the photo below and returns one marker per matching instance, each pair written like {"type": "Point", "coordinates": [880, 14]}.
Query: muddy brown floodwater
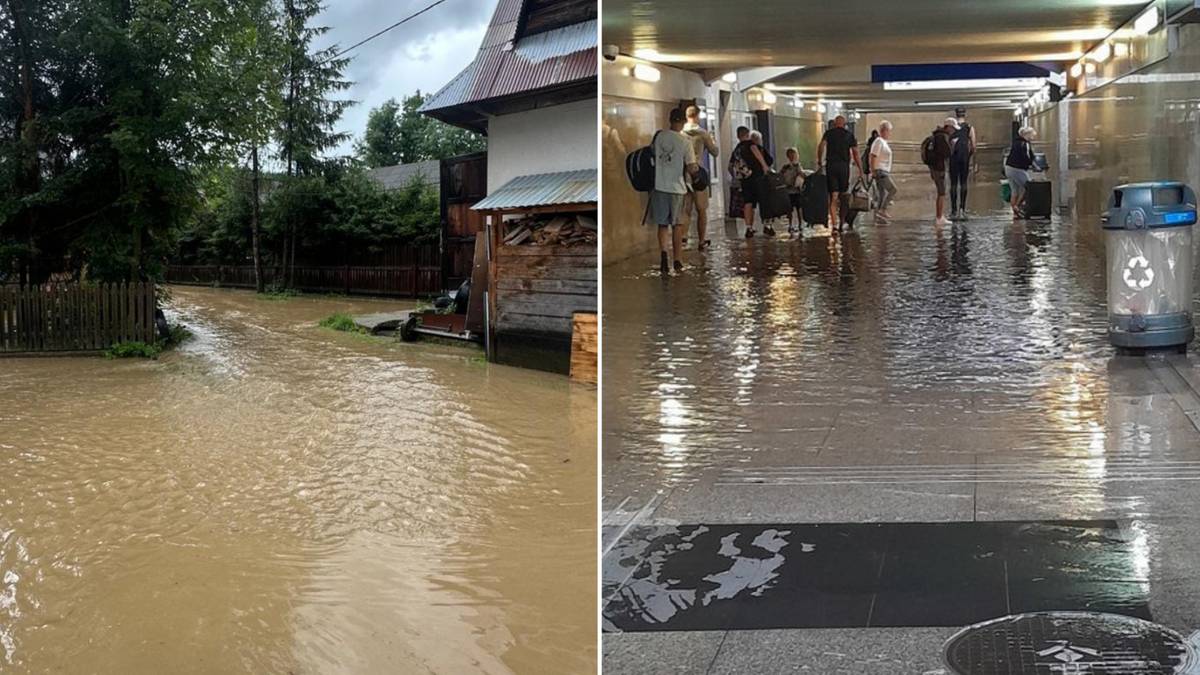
{"type": "Point", "coordinates": [277, 497]}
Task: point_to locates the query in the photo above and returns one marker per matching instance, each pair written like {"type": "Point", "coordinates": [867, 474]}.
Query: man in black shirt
{"type": "Point", "coordinates": [838, 149]}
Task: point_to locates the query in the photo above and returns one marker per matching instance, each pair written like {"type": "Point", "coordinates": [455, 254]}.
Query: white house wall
{"type": "Point", "coordinates": [545, 140]}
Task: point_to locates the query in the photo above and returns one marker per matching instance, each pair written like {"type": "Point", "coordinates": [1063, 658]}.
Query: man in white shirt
{"type": "Point", "coordinates": [697, 200]}
{"type": "Point", "coordinates": [881, 171]}
{"type": "Point", "coordinates": [674, 157]}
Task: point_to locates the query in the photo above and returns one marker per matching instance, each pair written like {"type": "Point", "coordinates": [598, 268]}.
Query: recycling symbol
{"type": "Point", "coordinates": [1138, 274]}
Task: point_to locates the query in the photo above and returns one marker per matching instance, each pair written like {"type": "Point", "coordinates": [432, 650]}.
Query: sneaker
{"type": "Point", "coordinates": [749, 232]}
{"type": "Point", "coordinates": [942, 221]}
{"type": "Point", "coordinates": [768, 231]}
{"type": "Point", "coordinates": [662, 264]}
{"type": "Point", "coordinates": [962, 216]}
{"type": "Point", "coordinates": [678, 266]}
{"type": "Point", "coordinates": [707, 243]}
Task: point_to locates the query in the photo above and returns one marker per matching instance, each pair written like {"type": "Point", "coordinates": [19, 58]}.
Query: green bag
{"type": "Point", "coordinates": [1005, 191]}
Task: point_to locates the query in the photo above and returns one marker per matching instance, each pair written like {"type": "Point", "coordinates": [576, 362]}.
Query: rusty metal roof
{"type": "Point", "coordinates": [507, 65]}
{"type": "Point", "coordinates": [543, 189]}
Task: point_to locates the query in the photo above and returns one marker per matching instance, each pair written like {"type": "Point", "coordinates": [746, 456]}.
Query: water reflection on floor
{"type": "Point", "coordinates": [275, 497]}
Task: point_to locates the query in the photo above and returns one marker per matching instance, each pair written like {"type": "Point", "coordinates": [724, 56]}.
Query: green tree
{"type": "Point", "coordinates": [400, 134]}
{"type": "Point", "coordinates": [312, 78]}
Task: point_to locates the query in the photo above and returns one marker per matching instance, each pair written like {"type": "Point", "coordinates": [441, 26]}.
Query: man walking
{"type": "Point", "coordinates": [837, 150]}
{"type": "Point", "coordinates": [881, 171]}
{"type": "Point", "coordinates": [674, 158]}
{"type": "Point", "coordinates": [694, 200]}
{"type": "Point", "coordinates": [935, 152]}
{"type": "Point", "coordinates": [961, 155]}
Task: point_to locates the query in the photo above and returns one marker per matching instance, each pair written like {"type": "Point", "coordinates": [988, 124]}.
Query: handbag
{"type": "Point", "coordinates": [860, 197]}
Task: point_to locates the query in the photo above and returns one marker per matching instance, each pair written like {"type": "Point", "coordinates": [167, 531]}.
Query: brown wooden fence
{"type": "Point", "coordinates": [75, 318]}
{"type": "Point", "coordinates": [412, 280]}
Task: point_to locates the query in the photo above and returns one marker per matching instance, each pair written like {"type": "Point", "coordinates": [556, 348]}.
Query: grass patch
{"type": "Point", "coordinates": [178, 334]}
{"type": "Point", "coordinates": [342, 322]}
{"type": "Point", "coordinates": [134, 350]}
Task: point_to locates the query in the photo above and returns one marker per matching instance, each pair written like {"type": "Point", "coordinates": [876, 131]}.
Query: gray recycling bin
{"type": "Point", "coordinates": [1148, 236]}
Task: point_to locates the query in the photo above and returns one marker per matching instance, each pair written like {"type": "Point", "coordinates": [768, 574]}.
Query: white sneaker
{"type": "Point", "coordinates": [942, 221]}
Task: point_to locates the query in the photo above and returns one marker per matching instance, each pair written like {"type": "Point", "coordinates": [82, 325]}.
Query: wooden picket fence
{"type": "Point", "coordinates": [75, 318]}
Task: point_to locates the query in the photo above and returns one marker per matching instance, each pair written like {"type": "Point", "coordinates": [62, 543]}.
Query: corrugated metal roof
{"type": "Point", "coordinates": [558, 42]}
{"type": "Point", "coordinates": [503, 68]}
{"type": "Point", "coordinates": [543, 189]}
{"type": "Point", "coordinates": [399, 176]}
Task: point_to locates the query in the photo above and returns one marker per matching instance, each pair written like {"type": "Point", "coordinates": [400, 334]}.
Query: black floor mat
{"type": "Point", "coordinates": [737, 577]}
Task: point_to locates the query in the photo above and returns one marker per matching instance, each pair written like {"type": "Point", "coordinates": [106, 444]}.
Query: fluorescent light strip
{"type": "Point", "coordinates": [647, 73]}
{"type": "Point", "coordinates": [993, 83]}
{"type": "Point", "coordinates": [1147, 22]}
{"type": "Point", "coordinates": [997, 101]}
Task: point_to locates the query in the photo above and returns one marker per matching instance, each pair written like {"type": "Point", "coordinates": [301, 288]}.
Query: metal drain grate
{"type": "Point", "coordinates": [1067, 643]}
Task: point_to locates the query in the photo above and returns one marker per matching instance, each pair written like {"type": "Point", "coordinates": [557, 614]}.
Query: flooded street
{"type": "Point", "coordinates": [277, 497]}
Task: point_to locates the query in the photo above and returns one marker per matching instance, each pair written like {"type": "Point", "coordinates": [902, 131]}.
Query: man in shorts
{"type": "Point", "coordinates": [940, 163]}
{"type": "Point", "coordinates": [837, 150]}
{"type": "Point", "coordinates": [674, 161]}
{"type": "Point", "coordinates": [697, 200]}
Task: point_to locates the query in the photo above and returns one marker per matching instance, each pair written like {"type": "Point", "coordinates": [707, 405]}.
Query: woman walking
{"type": "Point", "coordinates": [1016, 168]}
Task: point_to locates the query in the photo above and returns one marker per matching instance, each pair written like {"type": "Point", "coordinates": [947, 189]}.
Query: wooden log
{"type": "Point", "coordinates": [585, 348]}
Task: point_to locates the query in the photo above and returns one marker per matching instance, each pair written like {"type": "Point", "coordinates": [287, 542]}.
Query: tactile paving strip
{"type": "Point", "coordinates": [1067, 643]}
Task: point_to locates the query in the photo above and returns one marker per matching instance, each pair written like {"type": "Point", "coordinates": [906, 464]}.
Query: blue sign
{"type": "Point", "coordinates": [1180, 218]}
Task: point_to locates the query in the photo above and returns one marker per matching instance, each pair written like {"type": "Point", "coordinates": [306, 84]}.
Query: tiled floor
{"type": "Point", "coordinates": [893, 374]}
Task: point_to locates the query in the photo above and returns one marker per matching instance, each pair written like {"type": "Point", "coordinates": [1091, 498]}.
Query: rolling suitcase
{"type": "Point", "coordinates": [1037, 199]}
{"type": "Point", "coordinates": [774, 202]}
{"type": "Point", "coordinates": [815, 198]}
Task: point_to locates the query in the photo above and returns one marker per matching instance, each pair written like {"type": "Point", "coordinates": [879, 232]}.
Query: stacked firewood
{"type": "Point", "coordinates": [562, 230]}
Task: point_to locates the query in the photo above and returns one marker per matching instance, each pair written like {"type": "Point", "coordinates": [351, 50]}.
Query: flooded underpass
{"type": "Point", "coordinates": [278, 497]}
{"type": "Point", "coordinates": [834, 452]}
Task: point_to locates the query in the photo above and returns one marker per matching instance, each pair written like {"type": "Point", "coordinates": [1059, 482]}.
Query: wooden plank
{"type": "Point", "coordinates": [524, 322]}
{"type": "Point", "coordinates": [579, 251]}
{"type": "Point", "coordinates": [573, 286]}
{"type": "Point", "coordinates": [547, 304]}
{"type": "Point", "coordinates": [585, 348]}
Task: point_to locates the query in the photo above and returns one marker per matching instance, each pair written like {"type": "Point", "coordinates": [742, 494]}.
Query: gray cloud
{"type": "Point", "coordinates": [424, 53]}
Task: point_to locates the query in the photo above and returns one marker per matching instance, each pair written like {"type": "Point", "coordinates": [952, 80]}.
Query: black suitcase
{"type": "Point", "coordinates": [1037, 199]}
{"type": "Point", "coordinates": [815, 198]}
{"type": "Point", "coordinates": [774, 202]}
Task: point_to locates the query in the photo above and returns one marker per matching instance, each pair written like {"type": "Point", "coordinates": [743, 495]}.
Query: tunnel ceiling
{"type": "Point", "coordinates": [852, 86]}
{"type": "Point", "coordinates": [725, 35]}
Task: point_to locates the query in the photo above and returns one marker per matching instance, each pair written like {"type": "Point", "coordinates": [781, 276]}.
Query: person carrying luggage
{"type": "Point", "coordinates": [697, 200]}
{"type": "Point", "coordinates": [757, 165]}
{"type": "Point", "coordinates": [837, 150]}
{"type": "Point", "coordinates": [793, 177]}
{"type": "Point", "coordinates": [961, 154]}
{"type": "Point", "coordinates": [1017, 166]}
{"type": "Point", "coordinates": [675, 161]}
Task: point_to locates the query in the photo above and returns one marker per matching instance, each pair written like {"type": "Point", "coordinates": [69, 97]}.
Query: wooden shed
{"type": "Point", "coordinates": [542, 253]}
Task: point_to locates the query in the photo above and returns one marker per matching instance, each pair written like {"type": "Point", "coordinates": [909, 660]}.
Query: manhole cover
{"type": "Point", "coordinates": [1067, 643]}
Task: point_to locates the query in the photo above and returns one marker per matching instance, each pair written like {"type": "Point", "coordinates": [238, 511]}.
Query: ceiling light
{"type": "Point", "coordinates": [646, 53]}
{"type": "Point", "coordinates": [1147, 22]}
{"type": "Point", "coordinates": [994, 101]}
{"type": "Point", "coordinates": [769, 98]}
{"type": "Point", "coordinates": [648, 73]}
{"type": "Point", "coordinates": [730, 77]}
{"type": "Point", "coordinates": [1100, 54]}
{"type": "Point", "coordinates": [985, 83]}
{"type": "Point", "coordinates": [1077, 70]}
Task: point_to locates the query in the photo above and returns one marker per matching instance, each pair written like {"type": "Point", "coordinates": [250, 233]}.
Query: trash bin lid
{"type": "Point", "coordinates": [1150, 205]}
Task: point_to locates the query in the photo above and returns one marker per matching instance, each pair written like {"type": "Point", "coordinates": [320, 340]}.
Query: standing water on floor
{"type": "Point", "coordinates": [278, 497]}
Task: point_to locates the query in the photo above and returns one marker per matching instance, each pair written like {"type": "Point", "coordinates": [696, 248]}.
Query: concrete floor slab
{"type": "Point", "coordinates": [686, 653]}
{"type": "Point", "coordinates": [872, 651]}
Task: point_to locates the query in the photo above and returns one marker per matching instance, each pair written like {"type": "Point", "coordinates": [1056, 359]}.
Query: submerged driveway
{"type": "Point", "coordinates": [278, 497]}
{"type": "Point", "coordinates": [857, 444]}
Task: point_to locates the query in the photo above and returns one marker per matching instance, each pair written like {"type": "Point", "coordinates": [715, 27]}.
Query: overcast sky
{"type": "Point", "coordinates": [424, 53]}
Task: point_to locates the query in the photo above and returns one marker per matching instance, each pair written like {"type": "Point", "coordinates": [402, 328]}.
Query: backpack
{"type": "Point", "coordinates": [927, 155]}
{"type": "Point", "coordinates": [738, 168]}
{"type": "Point", "coordinates": [962, 142]}
{"type": "Point", "coordinates": [640, 166]}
